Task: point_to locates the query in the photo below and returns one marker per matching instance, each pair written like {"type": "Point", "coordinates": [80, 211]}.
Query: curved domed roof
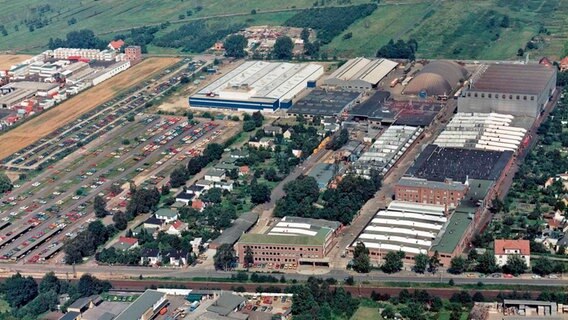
{"type": "Point", "coordinates": [437, 78]}
{"type": "Point", "coordinates": [434, 84]}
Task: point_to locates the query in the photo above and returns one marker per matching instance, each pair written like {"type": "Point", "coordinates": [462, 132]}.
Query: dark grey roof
{"type": "Point", "coordinates": [324, 103]}
{"type": "Point", "coordinates": [240, 226]}
{"type": "Point", "coordinates": [195, 188]}
{"type": "Point", "coordinates": [165, 212]}
{"type": "Point", "coordinates": [146, 252]}
{"type": "Point", "coordinates": [153, 220]}
{"type": "Point", "coordinates": [373, 108]}
{"type": "Point", "coordinates": [438, 164]}
{"type": "Point", "coordinates": [146, 301]}
{"type": "Point", "coordinates": [226, 303]}
{"type": "Point", "coordinates": [176, 254]}
{"type": "Point", "coordinates": [71, 315]}
{"type": "Point", "coordinates": [185, 196]}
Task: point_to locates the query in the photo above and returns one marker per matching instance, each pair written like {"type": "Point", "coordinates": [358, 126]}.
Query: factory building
{"type": "Point", "coordinates": [291, 241]}
{"type": "Point", "coordinates": [437, 78]}
{"type": "Point", "coordinates": [258, 85]}
{"type": "Point", "coordinates": [360, 74]}
{"type": "Point", "coordinates": [448, 193]}
{"type": "Point", "coordinates": [403, 226]}
{"type": "Point", "coordinates": [386, 150]}
{"type": "Point", "coordinates": [516, 89]}
{"type": "Point", "coordinates": [484, 131]}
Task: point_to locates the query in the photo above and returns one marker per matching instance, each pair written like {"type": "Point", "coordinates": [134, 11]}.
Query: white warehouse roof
{"type": "Point", "coordinates": [485, 131]}
{"type": "Point", "coordinates": [362, 69]}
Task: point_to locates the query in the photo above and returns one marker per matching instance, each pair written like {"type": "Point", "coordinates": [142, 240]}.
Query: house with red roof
{"type": "Point", "coordinates": [198, 205]}
{"type": "Point", "coordinates": [505, 248]}
{"type": "Point", "coordinates": [116, 45]}
{"type": "Point", "coordinates": [176, 228]}
{"type": "Point", "coordinates": [244, 170]}
{"type": "Point", "coordinates": [564, 64]}
{"type": "Point", "coordinates": [126, 243]}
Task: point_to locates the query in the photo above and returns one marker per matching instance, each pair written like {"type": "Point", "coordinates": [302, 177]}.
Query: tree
{"type": "Point", "coordinates": [115, 189]}
{"type": "Point", "coordinates": [5, 183]}
{"type": "Point", "coordinates": [49, 282]}
{"type": "Point", "coordinates": [259, 193]}
{"type": "Point", "coordinates": [434, 262]}
{"type": "Point", "coordinates": [249, 258]}
{"type": "Point", "coordinates": [19, 290]}
{"type": "Point", "coordinates": [271, 175]}
{"type": "Point", "coordinates": [89, 285]}
{"type": "Point", "coordinates": [120, 220]}
{"type": "Point", "coordinates": [505, 23]}
{"type": "Point", "coordinates": [178, 177]}
{"type": "Point", "coordinates": [486, 263]}
{"type": "Point", "coordinates": [457, 265]}
{"type": "Point", "coordinates": [99, 205]}
{"type": "Point", "coordinates": [388, 312]}
{"type": "Point", "coordinates": [420, 263]}
{"type": "Point", "coordinates": [520, 52]}
{"type": "Point", "coordinates": [393, 262]}
{"type": "Point", "coordinates": [515, 265]}
{"type": "Point", "coordinates": [305, 35]}
{"type": "Point", "coordinates": [478, 297]}
{"type": "Point", "coordinates": [235, 46]}
{"type": "Point", "coordinates": [283, 48]}
{"type": "Point", "coordinates": [213, 195]}
{"type": "Point", "coordinates": [225, 257]}
{"type": "Point", "coordinates": [361, 259]}
{"type": "Point", "coordinates": [339, 140]}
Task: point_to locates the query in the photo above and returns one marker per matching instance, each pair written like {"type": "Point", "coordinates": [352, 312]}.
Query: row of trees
{"type": "Point", "coordinates": [317, 300]}
{"type": "Point", "coordinates": [5, 183]}
{"type": "Point", "coordinates": [399, 50]}
{"type": "Point", "coordinates": [180, 175]}
{"type": "Point", "coordinates": [84, 39]}
{"type": "Point", "coordinates": [29, 300]}
{"type": "Point", "coordinates": [86, 242]}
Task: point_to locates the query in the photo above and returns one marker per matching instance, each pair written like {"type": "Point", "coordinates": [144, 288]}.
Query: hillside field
{"type": "Point", "coordinates": [443, 28]}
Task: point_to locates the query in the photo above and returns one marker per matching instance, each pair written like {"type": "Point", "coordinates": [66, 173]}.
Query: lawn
{"type": "Point", "coordinates": [365, 313]}
{"type": "Point", "coordinates": [4, 307]}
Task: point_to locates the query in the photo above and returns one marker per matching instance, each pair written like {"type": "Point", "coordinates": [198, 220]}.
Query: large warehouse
{"type": "Point", "coordinates": [360, 74]}
{"type": "Point", "coordinates": [515, 89]}
{"type": "Point", "coordinates": [437, 78]}
{"type": "Point", "coordinates": [258, 85]}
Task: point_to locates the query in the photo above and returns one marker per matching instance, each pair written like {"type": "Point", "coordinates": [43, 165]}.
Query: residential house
{"type": "Point", "coordinates": [244, 170]}
{"type": "Point", "coordinates": [288, 134]}
{"type": "Point", "coordinates": [266, 143]}
{"type": "Point", "coordinates": [506, 248]}
{"type": "Point", "coordinates": [564, 64]}
{"type": "Point", "coordinates": [562, 243]}
{"type": "Point", "coordinates": [215, 175]}
{"type": "Point", "coordinates": [83, 304]}
{"type": "Point", "coordinates": [272, 130]}
{"type": "Point", "coordinates": [176, 228]}
{"type": "Point", "coordinates": [126, 243]}
{"type": "Point", "coordinates": [153, 223]}
{"type": "Point", "coordinates": [185, 197]}
{"type": "Point", "coordinates": [195, 243]}
{"type": "Point", "coordinates": [166, 215]}
{"type": "Point", "coordinates": [198, 205]}
{"type": "Point", "coordinates": [208, 184]}
{"type": "Point", "coordinates": [297, 153]}
{"type": "Point", "coordinates": [239, 154]}
{"type": "Point", "coordinates": [176, 258]}
{"type": "Point", "coordinates": [225, 166]}
{"type": "Point", "coordinates": [116, 45]}
{"type": "Point", "coordinates": [150, 257]}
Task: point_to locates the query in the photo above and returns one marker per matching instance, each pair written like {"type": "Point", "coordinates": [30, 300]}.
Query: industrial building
{"type": "Point", "coordinates": [515, 89]}
{"type": "Point", "coordinates": [147, 306]}
{"type": "Point", "coordinates": [386, 150]}
{"type": "Point", "coordinates": [258, 85]}
{"type": "Point", "coordinates": [437, 78]}
{"type": "Point", "coordinates": [437, 163]}
{"type": "Point", "coordinates": [291, 241]}
{"type": "Point", "coordinates": [325, 103]}
{"type": "Point", "coordinates": [324, 173]}
{"type": "Point", "coordinates": [448, 193]}
{"type": "Point", "coordinates": [360, 74]}
{"type": "Point", "coordinates": [485, 131]}
{"type": "Point", "coordinates": [403, 226]}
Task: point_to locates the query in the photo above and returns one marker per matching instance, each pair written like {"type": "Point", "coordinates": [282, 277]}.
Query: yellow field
{"type": "Point", "coordinates": [8, 60]}
{"type": "Point", "coordinates": [68, 111]}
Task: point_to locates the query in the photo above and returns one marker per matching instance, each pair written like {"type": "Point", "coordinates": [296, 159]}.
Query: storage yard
{"type": "Point", "coordinates": [40, 126]}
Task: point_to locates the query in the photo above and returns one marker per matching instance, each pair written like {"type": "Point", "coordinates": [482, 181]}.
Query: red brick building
{"type": "Point", "coordinates": [448, 193]}
{"type": "Point", "coordinates": [133, 54]}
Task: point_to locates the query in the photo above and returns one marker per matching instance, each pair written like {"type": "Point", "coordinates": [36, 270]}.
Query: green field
{"type": "Point", "coordinates": [364, 313]}
{"type": "Point", "coordinates": [444, 29]}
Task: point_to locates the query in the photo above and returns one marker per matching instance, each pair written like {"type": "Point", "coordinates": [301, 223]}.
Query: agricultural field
{"type": "Point", "coordinates": [71, 109]}
{"type": "Point", "coordinates": [8, 60]}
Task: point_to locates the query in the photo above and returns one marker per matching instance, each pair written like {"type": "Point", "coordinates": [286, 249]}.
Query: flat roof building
{"type": "Point", "coordinates": [386, 150]}
{"type": "Point", "coordinates": [437, 163]}
{"type": "Point", "coordinates": [403, 226]}
{"type": "Point", "coordinates": [515, 89]}
{"type": "Point", "coordinates": [360, 74]}
{"type": "Point", "coordinates": [448, 193]}
{"type": "Point", "coordinates": [243, 224]}
{"type": "Point", "coordinates": [484, 131]}
{"type": "Point", "coordinates": [257, 85]}
{"type": "Point", "coordinates": [292, 240]}
{"type": "Point", "coordinates": [146, 307]}
{"type": "Point", "coordinates": [325, 103]}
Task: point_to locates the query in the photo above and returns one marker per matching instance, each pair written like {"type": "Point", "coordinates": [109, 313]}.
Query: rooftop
{"type": "Point", "coordinates": [226, 303]}
{"type": "Point", "coordinates": [71, 315]}
{"type": "Point", "coordinates": [452, 232]}
{"type": "Point", "coordinates": [324, 103]}
{"type": "Point", "coordinates": [501, 245]}
{"type": "Point", "coordinates": [164, 212]}
{"type": "Point", "coordinates": [438, 164]}
{"type": "Point", "coordinates": [31, 85]}
{"type": "Point", "coordinates": [417, 182]}
{"type": "Point", "coordinates": [240, 226]}
{"type": "Point", "coordinates": [374, 107]}
{"type": "Point", "coordinates": [215, 172]}
{"type": "Point", "coordinates": [150, 299]}
{"type": "Point", "coordinates": [371, 71]}
{"type": "Point", "coordinates": [514, 78]}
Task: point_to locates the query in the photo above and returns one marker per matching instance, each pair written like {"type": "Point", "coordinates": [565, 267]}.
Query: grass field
{"type": "Point", "coordinates": [7, 60]}
{"type": "Point", "coordinates": [71, 109]}
{"type": "Point", "coordinates": [365, 313]}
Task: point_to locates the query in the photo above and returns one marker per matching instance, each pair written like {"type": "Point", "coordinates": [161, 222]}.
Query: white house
{"type": "Point", "coordinates": [215, 175]}
{"type": "Point", "coordinates": [176, 228]}
{"type": "Point", "coordinates": [166, 215]}
{"type": "Point", "coordinates": [506, 248]}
